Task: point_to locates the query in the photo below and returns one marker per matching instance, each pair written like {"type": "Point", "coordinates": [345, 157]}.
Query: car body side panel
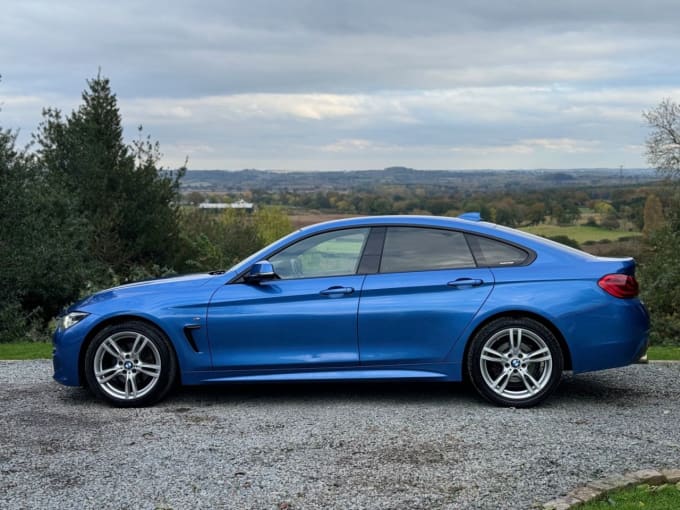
{"type": "Point", "coordinates": [416, 317]}
{"type": "Point", "coordinates": [170, 305]}
{"type": "Point", "coordinates": [600, 331]}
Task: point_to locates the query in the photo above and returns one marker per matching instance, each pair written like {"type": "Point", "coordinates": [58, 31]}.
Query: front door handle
{"type": "Point", "coordinates": [337, 290]}
{"type": "Point", "coordinates": [465, 282]}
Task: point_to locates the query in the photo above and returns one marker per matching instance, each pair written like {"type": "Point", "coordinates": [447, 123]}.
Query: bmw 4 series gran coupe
{"type": "Point", "coordinates": [391, 297]}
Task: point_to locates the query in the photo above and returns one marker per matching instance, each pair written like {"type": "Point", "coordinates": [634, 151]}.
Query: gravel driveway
{"type": "Point", "coordinates": [328, 446]}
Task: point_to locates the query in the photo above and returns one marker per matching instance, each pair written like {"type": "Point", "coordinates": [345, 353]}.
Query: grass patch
{"type": "Point", "coordinates": [580, 233]}
{"type": "Point", "coordinates": [26, 350]}
{"type": "Point", "coordinates": [662, 497]}
{"type": "Point", "coordinates": [663, 352]}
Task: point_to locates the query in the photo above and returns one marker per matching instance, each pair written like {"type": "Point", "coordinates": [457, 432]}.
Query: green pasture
{"type": "Point", "coordinates": [580, 233]}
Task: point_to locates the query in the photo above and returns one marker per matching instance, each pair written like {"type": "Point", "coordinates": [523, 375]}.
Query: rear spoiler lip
{"type": "Point", "coordinates": [627, 264]}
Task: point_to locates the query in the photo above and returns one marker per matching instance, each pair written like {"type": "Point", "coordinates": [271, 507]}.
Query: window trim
{"type": "Point", "coordinates": [474, 248]}
{"type": "Point", "coordinates": [476, 251]}
{"type": "Point", "coordinates": [239, 278]}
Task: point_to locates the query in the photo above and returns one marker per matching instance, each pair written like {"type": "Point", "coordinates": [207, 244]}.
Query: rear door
{"type": "Point", "coordinates": [427, 290]}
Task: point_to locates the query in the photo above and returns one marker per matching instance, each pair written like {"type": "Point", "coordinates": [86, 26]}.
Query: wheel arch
{"type": "Point", "coordinates": [518, 314]}
{"type": "Point", "coordinates": [112, 321]}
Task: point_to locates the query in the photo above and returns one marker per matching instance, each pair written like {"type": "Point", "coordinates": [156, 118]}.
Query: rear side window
{"type": "Point", "coordinates": [422, 249]}
{"type": "Point", "coordinates": [490, 252]}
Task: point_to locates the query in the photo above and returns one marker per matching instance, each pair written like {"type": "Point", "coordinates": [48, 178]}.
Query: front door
{"type": "Point", "coordinates": [306, 319]}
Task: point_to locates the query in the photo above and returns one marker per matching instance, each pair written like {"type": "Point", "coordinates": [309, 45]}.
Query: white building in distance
{"type": "Point", "coordinates": [239, 204]}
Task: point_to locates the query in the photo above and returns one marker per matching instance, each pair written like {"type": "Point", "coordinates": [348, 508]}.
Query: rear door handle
{"type": "Point", "coordinates": [337, 290]}
{"type": "Point", "coordinates": [465, 282]}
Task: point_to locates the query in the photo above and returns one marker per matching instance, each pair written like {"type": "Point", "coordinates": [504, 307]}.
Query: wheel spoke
{"type": "Point", "coordinates": [531, 384]}
{"type": "Point", "coordinates": [489, 354]}
{"type": "Point", "coordinates": [505, 374]}
{"type": "Point", "coordinates": [515, 341]}
{"type": "Point", "coordinates": [130, 386]}
{"type": "Point", "coordinates": [138, 346]}
{"type": "Point", "coordinates": [149, 369]}
{"type": "Point", "coordinates": [539, 355]}
{"type": "Point", "coordinates": [112, 348]}
{"type": "Point", "coordinates": [107, 374]}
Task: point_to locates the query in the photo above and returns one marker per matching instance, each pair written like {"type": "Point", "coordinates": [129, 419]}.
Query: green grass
{"type": "Point", "coordinates": [26, 350]}
{"type": "Point", "coordinates": [580, 233]}
{"type": "Point", "coordinates": [662, 497]}
{"type": "Point", "coordinates": [663, 352]}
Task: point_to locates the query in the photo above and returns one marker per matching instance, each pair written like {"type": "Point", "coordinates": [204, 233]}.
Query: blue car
{"type": "Point", "coordinates": [374, 298]}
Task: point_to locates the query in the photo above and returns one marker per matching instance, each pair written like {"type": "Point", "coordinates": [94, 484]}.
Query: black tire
{"type": "Point", "coordinates": [130, 365]}
{"type": "Point", "coordinates": [515, 362]}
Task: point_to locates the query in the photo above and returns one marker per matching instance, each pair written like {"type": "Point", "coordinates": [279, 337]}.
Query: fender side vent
{"type": "Point", "coordinates": [188, 332]}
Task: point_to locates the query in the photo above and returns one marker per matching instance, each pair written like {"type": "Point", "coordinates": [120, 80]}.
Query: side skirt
{"type": "Point", "coordinates": [434, 371]}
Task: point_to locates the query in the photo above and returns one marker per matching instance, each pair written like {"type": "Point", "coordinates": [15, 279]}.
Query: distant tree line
{"type": "Point", "coordinates": [613, 206]}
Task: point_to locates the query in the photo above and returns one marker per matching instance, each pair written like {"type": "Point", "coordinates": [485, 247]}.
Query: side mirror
{"type": "Point", "coordinates": [260, 271]}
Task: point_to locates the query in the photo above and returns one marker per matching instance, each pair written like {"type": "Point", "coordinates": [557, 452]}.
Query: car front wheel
{"type": "Point", "coordinates": [130, 365]}
{"type": "Point", "coordinates": [515, 362]}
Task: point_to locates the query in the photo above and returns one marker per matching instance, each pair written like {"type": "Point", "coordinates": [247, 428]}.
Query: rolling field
{"type": "Point", "coordinates": [580, 233]}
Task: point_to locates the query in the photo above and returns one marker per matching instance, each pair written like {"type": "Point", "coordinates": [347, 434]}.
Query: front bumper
{"type": "Point", "coordinates": [66, 350]}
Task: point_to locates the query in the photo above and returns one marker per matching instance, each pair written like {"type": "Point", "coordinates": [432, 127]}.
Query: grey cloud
{"type": "Point", "coordinates": [513, 71]}
{"type": "Point", "coordinates": [184, 48]}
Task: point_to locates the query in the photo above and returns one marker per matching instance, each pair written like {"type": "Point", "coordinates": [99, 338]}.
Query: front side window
{"type": "Point", "coordinates": [328, 254]}
{"type": "Point", "coordinates": [423, 249]}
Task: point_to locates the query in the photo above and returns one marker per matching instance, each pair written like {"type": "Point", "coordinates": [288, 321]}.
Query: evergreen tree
{"type": "Point", "coordinates": [42, 265]}
{"type": "Point", "coordinates": [130, 203]}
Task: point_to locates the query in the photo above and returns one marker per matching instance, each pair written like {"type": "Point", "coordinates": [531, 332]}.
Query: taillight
{"type": "Point", "coordinates": [620, 285]}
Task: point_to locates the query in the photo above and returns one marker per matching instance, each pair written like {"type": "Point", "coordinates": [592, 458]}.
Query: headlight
{"type": "Point", "coordinates": [71, 319]}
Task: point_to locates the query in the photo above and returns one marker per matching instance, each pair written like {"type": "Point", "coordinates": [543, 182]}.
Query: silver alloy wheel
{"type": "Point", "coordinates": [127, 365]}
{"type": "Point", "coordinates": [516, 363]}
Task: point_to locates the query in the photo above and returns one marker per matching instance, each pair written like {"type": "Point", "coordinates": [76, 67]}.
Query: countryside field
{"type": "Point", "coordinates": [580, 233]}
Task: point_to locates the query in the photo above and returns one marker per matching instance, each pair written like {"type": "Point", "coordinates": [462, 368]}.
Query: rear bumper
{"type": "Point", "coordinates": [618, 340]}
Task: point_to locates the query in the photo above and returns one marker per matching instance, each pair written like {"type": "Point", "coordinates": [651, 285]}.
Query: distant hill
{"type": "Point", "coordinates": [227, 180]}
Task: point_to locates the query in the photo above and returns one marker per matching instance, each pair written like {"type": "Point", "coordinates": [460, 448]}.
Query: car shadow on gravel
{"type": "Point", "coordinates": [576, 390]}
{"type": "Point", "coordinates": [328, 393]}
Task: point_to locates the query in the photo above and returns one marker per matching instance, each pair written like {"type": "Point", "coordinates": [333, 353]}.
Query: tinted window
{"type": "Point", "coordinates": [490, 252]}
{"type": "Point", "coordinates": [329, 254]}
{"type": "Point", "coordinates": [421, 249]}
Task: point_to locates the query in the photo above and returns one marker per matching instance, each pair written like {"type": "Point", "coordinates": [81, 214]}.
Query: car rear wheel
{"type": "Point", "coordinates": [130, 365]}
{"type": "Point", "coordinates": [515, 362]}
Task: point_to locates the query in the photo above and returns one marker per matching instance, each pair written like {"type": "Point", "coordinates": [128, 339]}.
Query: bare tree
{"type": "Point", "coordinates": [663, 144]}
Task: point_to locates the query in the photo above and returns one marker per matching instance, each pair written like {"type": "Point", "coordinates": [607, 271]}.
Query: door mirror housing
{"type": "Point", "coordinates": [261, 271]}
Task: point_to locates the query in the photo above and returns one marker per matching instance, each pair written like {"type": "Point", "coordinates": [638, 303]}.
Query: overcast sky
{"type": "Point", "coordinates": [316, 84]}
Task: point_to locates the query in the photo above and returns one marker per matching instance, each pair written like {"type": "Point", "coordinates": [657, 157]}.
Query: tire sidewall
{"type": "Point", "coordinates": [167, 359]}
{"type": "Point", "coordinates": [481, 337]}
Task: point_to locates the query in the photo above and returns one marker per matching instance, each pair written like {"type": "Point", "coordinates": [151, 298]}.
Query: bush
{"type": "Point", "coordinates": [659, 277]}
